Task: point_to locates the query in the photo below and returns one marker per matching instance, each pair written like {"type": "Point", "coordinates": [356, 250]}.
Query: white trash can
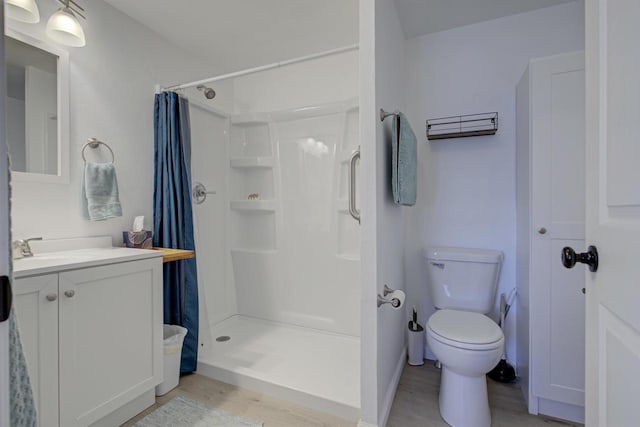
{"type": "Point", "coordinates": [173, 336]}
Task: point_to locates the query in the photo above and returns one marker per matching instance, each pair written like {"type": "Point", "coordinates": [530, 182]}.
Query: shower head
{"type": "Point", "coordinates": [208, 92]}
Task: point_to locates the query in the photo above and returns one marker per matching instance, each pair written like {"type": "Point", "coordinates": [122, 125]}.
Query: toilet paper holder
{"type": "Point", "coordinates": [395, 302]}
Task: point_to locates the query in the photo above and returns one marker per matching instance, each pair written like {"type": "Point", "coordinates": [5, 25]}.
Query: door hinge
{"type": "Point", "coordinates": [6, 298]}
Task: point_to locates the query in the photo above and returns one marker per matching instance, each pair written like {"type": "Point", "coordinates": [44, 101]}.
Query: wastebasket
{"type": "Point", "coordinates": [173, 336]}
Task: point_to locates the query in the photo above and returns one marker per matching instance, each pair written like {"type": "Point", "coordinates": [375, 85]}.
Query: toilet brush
{"type": "Point", "coordinates": [503, 372]}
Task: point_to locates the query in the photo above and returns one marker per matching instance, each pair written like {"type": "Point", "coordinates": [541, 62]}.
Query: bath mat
{"type": "Point", "coordinates": [183, 412]}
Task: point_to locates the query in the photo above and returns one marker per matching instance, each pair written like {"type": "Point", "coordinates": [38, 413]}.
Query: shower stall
{"type": "Point", "coordinates": [278, 250]}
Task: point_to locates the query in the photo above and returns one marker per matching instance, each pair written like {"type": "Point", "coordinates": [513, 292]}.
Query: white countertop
{"type": "Point", "coordinates": [52, 261]}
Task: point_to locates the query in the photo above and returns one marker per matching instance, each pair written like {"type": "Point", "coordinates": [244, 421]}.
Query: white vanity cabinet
{"type": "Point", "coordinates": [92, 338]}
{"type": "Point", "coordinates": [35, 300]}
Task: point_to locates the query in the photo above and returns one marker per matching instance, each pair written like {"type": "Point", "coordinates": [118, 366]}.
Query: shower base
{"type": "Point", "coordinates": [312, 368]}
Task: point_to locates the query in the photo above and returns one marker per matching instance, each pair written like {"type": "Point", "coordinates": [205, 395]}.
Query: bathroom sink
{"type": "Point", "coordinates": [56, 261]}
{"type": "Point", "coordinates": [42, 260]}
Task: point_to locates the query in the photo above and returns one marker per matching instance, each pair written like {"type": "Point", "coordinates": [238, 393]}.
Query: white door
{"type": "Point", "coordinates": [4, 245]}
{"type": "Point", "coordinates": [613, 212]}
{"type": "Point", "coordinates": [558, 200]}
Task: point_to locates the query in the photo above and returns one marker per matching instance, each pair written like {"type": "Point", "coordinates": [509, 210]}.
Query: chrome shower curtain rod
{"type": "Point", "coordinates": [261, 68]}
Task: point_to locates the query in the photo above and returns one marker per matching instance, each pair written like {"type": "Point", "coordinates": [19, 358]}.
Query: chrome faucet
{"type": "Point", "coordinates": [21, 248]}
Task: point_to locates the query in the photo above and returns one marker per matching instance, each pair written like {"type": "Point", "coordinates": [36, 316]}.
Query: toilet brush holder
{"type": "Point", "coordinates": [416, 346]}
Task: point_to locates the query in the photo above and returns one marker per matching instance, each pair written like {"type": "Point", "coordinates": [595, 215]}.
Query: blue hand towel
{"type": "Point", "coordinates": [100, 191]}
{"type": "Point", "coordinates": [404, 157]}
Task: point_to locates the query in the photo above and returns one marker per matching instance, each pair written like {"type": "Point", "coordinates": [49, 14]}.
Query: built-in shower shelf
{"type": "Point", "coordinates": [253, 205]}
{"type": "Point", "coordinates": [349, 257]}
{"type": "Point", "coordinates": [342, 205]}
{"type": "Point", "coordinates": [346, 156]}
{"type": "Point", "coordinates": [252, 162]}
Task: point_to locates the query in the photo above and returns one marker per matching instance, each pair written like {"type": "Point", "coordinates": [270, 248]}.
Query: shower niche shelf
{"type": "Point", "coordinates": [252, 162]}
{"type": "Point", "coordinates": [252, 139]}
{"type": "Point", "coordinates": [254, 205]}
{"type": "Point", "coordinates": [246, 181]}
{"type": "Point", "coordinates": [253, 229]}
{"type": "Point", "coordinates": [342, 206]}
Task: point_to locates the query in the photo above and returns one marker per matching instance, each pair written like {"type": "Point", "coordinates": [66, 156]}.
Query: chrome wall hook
{"type": "Point", "coordinates": [385, 114]}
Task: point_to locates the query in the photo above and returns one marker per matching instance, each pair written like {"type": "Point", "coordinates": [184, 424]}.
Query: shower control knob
{"type": "Point", "coordinates": [570, 258]}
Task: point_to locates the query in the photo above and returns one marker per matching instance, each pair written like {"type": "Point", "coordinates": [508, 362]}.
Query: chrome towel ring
{"type": "Point", "coordinates": [94, 143]}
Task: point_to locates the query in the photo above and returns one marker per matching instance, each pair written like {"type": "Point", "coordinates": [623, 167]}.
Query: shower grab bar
{"type": "Point", "coordinates": [353, 210]}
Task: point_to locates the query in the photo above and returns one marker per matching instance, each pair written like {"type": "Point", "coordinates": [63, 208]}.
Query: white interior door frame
{"type": "Point", "coordinates": [5, 253]}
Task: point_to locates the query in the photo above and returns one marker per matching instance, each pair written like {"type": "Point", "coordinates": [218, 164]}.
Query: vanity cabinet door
{"type": "Point", "coordinates": [36, 305]}
{"type": "Point", "coordinates": [110, 338]}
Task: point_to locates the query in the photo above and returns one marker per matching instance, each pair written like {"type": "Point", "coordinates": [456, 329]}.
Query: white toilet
{"type": "Point", "coordinates": [467, 343]}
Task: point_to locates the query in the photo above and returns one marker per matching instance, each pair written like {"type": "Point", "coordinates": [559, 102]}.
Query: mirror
{"type": "Point", "coordinates": [36, 109]}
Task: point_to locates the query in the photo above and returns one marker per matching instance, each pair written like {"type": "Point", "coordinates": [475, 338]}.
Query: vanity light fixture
{"type": "Point", "coordinates": [63, 26]}
{"type": "Point", "coordinates": [23, 10]}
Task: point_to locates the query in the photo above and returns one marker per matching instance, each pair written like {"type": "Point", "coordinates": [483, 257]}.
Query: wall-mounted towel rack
{"type": "Point", "coordinates": [95, 143]}
{"type": "Point", "coordinates": [385, 114]}
{"type": "Point", "coordinates": [462, 126]}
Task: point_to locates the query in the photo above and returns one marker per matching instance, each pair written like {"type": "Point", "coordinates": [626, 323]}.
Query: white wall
{"type": "Point", "coordinates": [466, 187]}
{"type": "Point", "coordinates": [323, 80]}
{"type": "Point", "coordinates": [112, 84]}
{"type": "Point", "coordinates": [383, 335]}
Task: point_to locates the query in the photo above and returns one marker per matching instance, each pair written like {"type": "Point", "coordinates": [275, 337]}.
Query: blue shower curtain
{"type": "Point", "coordinates": [172, 217]}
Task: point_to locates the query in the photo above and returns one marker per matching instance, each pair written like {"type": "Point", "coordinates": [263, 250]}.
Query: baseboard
{"type": "Point", "coordinates": [365, 424]}
{"type": "Point", "coordinates": [128, 410]}
{"type": "Point", "coordinates": [560, 410]}
{"type": "Point", "coordinates": [385, 408]}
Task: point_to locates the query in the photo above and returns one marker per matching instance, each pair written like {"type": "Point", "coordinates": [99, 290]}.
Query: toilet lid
{"type": "Point", "coordinates": [464, 327]}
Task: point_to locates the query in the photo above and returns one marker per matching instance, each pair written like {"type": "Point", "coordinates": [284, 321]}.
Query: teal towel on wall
{"type": "Point", "coordinates": [23, 407]}
{"type": "Point", "coordinates": [100, 191]}
{"type": "Point", "coordinates": [404, 179]}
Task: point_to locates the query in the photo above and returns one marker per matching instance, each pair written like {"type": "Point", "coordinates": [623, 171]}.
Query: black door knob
{"type": "Point", "coordinates": [6, 298]}
{"type": "Point", "coordinates": [570, 258]}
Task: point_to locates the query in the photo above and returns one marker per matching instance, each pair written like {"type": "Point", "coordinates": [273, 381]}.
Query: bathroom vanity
{"type": "Point", "coordinates": [90, 319]}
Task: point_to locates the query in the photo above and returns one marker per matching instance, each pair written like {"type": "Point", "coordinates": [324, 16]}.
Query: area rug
{"type": "Point", "coordinates": [183, 412]}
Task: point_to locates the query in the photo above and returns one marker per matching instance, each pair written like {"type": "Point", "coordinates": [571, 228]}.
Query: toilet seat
{"type": "Point", "coordinates": [465, 329]}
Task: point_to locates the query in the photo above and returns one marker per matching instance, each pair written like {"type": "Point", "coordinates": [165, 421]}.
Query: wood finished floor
{"type": "Point", "coordinates": [415, 404]}
{"type": "Point", "coordinates": [245, 403]}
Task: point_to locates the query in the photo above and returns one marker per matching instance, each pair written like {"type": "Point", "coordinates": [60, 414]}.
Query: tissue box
{"type": "Point", "coordinates": [137, 239]}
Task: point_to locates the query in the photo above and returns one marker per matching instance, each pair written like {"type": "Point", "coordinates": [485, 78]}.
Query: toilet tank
{"type": "Point", "coordinates": [463, 279]}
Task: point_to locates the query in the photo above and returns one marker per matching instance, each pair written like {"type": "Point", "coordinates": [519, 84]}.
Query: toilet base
{"type": "Point", "coordinates": [463, 400]}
